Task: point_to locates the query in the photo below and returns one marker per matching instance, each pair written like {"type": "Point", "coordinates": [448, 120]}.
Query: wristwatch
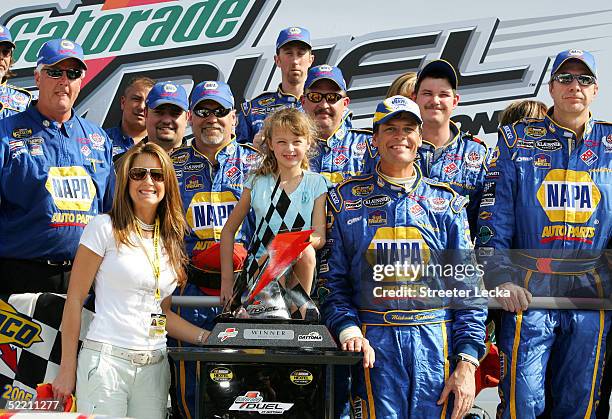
{"type": "Point", "coordinates": [465, 358]}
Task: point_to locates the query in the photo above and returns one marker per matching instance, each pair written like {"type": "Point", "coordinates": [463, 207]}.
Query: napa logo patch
{"type": "Point", "coordinates": [568, 196]}
{"type": "Point", "coordinates": [16, 328]}
{"type": "Point", "coordinates": [71, 187]}
{"type": "Point", "coordinates": [398, 244]}
{"type": "Point", "coordinates": [208, 212]}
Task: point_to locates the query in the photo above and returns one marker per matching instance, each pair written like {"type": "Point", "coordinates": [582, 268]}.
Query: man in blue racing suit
{"type": "Point", "coordinates": [448, 154]}
{"type": "Point", "coordinates": [210, 172]}
{"type": "Point", "coordinates": [132, 127]}
{"type": "Point", "coordinates": [56, 174]}
{"type": "Point", "coordinates": [386, 220]}
{"type": "Point", "coordinates": [548, 197]}
{"type": "Point", "coordinates": [12, 98]}
{"type": "Point", "coordinates": [293, 58]}
{"type": "Point", "coordinates": [342, 151]}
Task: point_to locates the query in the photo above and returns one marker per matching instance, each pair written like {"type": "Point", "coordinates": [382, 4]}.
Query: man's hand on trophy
{"type": "Point", "coordinates": [361, 344]}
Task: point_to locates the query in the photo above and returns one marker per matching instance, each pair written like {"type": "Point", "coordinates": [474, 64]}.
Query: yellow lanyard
{"type": "Point", "coordinates": [155, 261]}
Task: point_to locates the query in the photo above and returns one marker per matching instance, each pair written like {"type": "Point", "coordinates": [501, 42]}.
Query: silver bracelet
{"type": "Point", "coordinates": [200, 339]}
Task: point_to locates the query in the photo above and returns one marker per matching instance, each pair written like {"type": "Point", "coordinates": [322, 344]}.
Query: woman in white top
{"type": "Point", "coordinates": [135, 254]}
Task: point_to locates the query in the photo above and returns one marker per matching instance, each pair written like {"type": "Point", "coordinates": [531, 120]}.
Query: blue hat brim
{"type": "Point", "coordinates": [215, 98]}
{"type": "Point", "coordinates": [325, 78]}
{"type": "Point", "coordinates": [167, 101]}
{"type": "Point", "coordinates": [59, 58]}
{"type": "Point", "coordinates": [395, 113]}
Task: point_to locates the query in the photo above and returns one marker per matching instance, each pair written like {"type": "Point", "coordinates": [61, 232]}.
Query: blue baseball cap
{"type": "Point", "coordinates": [439, 67]}
{"type": "Point", "coordinates": [322, 72]}
{"type": "Point", "coordinates": [291, 34]}
{"type": "Point", "coordinates": [217, 91]}
{"type": "Point", "coordinates": [393, 106]}
{"type": "Point", "coordinates": [5, 35]}
{"type": "Point", "coordinates": [167, 92]}
{"type": "Point", "coordinates": [56, 50]}
{"type": "Point", "coordinates": [575, 54]}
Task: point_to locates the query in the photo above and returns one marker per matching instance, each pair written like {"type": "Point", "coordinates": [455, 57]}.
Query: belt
{"type": "Point", "coordinates": [404, 317]}
{"type": "Point", "coordinates": [134, 356]}
{"type": "Point", "coordinates": [556, 265]}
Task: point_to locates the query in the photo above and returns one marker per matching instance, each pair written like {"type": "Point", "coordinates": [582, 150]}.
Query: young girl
{"type": "Point", "coordinates": [288, 136]}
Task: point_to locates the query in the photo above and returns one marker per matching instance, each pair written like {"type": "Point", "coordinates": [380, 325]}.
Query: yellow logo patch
{"type": "Point", "coordinates": [16, 328]}
{"type": "Point", "coordinates": [398, 245]}
{"type": "Point", "coordinates": [568, 196]}
{"type": "Point", "coordinates": [71, 188]}
{"type": "Point", "coordinates": [208, 213]}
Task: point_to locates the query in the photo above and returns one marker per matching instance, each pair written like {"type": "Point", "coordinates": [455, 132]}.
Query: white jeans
{"type": "Point", "coordinates": [113, 386]}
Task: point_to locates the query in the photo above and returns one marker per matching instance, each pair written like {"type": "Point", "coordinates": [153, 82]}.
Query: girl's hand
{"type": "Point", "coordinates": [227, 289]}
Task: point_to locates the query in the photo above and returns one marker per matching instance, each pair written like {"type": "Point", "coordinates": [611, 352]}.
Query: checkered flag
{"type": "Point", "coordinates": [253, 267]}
{"type": "Point", "coordinates": [32, 355]}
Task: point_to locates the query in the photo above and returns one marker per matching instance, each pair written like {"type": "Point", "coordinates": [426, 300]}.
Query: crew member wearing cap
{"type": "Point", "coordinates": [210, 172]}
{"type": "Point", "coordinates": [132, 128]}
{"type": "Point", "coordinates": [448, 154]}
{"type": "Point", "coordinates": [397, 216]}
{"type": "Point", "coordinates": [12, 99]}
{"type": "Point", "coordinates": [165, 113]}
{"type": "Point", "coordinates": [342, 151]}
{"type": "Point", "coordinates": [55, 175]}
{"type": "Point", "coordinates": [293, 58]}
{"type": "Point", "coordinates": [548, 192]}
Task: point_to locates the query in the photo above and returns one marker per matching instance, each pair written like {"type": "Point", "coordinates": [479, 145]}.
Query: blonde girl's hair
{"type": "Point", "coordinates": [295, 121]}
{"type": "Point", "coordinates": [521, 109]}
{"type": "Point", "coordinates": [403, 85]}
{"type": "Point", "coordinates": [173, 225]}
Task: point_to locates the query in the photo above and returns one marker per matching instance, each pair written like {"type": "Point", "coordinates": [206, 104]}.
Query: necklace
{"type": "Point", "coordinates": [144, 226]}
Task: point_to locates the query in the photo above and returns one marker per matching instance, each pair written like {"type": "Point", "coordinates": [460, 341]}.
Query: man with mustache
{"type": "Point", "coordinates": [448, 154]}
{"type": "Point", "coordinates": [210, 172]}
{"type": "Point", "coordinates": [165, 113]}
{"type": "Point", "coordinates": [549, 195]}
{"type": "Point", "coordinates": [55, 175]}
{"type": "Point", "coordinates": [342, 151]}
{"type": "Point", "coordinates": [293, 58]}
{"type": "Point", "coordinates": [12, 98]}
{"type": "Point", "coordinates": [132, 128]}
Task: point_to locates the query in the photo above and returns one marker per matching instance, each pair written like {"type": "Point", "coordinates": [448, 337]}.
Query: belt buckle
{"type": "Point", "coordinates": [141, 358]}
{"type": "Point", "coordinates": [59, 264]}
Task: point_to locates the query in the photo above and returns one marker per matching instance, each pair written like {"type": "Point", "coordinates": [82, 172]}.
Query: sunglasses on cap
{"type": "Point", "coordinates": [218, 113]}
{"type": "Point", "coordinates": [316, 97]}
{"type": "Point", "coordinates": [567, 78]}
{"type": "Point", "coordinates": [71, 73]}
{"type": "Point", "coordinates": [139, 173]}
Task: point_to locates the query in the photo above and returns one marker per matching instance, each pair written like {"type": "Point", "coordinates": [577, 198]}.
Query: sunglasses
{"type": "Point", "coordinates": [139, 173]}
{"type": "Point", "coordinates": [567, 78]}
{"type": "Point", "coordinates": [218, 113]}
{"type": "Point", "coordinates": [71, 73]}
{"type": "Point", "coordinates": [316, 97]}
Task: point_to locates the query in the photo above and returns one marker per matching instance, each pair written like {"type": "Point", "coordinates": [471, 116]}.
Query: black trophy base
{"type": "Point", "coordinates": [236, 391]}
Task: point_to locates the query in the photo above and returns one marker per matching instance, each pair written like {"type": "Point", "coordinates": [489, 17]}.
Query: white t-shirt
{"type": "Point", "coordinates": [125, 288]}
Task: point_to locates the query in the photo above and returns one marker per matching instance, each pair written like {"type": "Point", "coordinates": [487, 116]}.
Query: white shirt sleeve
{"type": "Point", "coordinates": [97, 234]}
